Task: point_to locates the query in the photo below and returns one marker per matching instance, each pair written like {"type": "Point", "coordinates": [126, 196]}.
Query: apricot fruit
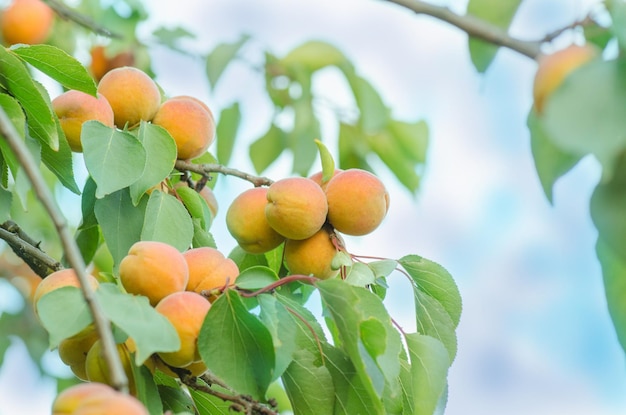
{"type": "Point", "coordinates": [95, 399]}
{"type": "Point", "coordinates": [186, 311]}
{"type": "Point", "coordinates": [133, 95]}
{"type": "Point", "coordinates": [209, 197]}
{"type": "Point", "coordinates": [357, 202]}
{"type": "Point", "coordinates": [190, 124]}
{"type": "Point", "coordinates": [553, 68]}
{"type": "Point", "coordinates": [26, 21]}
{"type": "Point", "coordinates": [73, 350]}
{"type": "Point", "coordinates": [247, 223]}
{"type": "Point", "coordinates": [97, 368]}
{"type": "Point", "coordinates": [296, 207]}
{"type": "Point", "coordinates": [311, 256]}
{"type": "Point", "coordinates": [74, 108]}
{"type": "Point", "coordinates": [317, 178]}
{"type": "Point", "coordinates": [153, 269]}
{"type": "Point", "coordinates": [101, 63]}
{"type": "Point", "coordinates": [209, 269]}
{"type": "Point", "coordinates": [63, 278]}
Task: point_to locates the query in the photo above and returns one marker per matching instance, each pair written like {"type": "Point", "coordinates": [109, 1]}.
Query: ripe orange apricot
{"type": "Point", "coordinates": [247, 223]}
{"type": "Point", "coordinates": [26, 21]}
{"type": "Point", "coordinates": [357, 202]}
{"type": "Point", "coordinates": [101, 63]}
{"type": "Point", "coordinates": [311, 256]}
{"type": "Point", "coordinates": [63, 278]}
{"type": "Point", "coordinates": [153, 269]}
{"type": "Point", "coordinates": [73, 350]}
{"type": "Point", "coordinates": [189, 123]}
{"type": "Point", "coordinates": [554, 68]}
{"type": "Point", "coordinates": [95, 399]}
{"type": "Point", "coordinates": [317, 178]}
{"type": "Point", "coordinates": [209, 269]}
{"type": "Point", "coordinates": [296, 207]}
{"type": "Point", "coordinates": [186, 311]}
{"type": "Point", "coordinates": [133, 95]}
{"type": "Point", "coordinates": [97, 368]}
{"type": "Point", "coordinates": [74, 108]}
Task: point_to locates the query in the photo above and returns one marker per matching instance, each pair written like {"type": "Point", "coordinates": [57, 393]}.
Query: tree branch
{"type": "Point", "coordinates": [102, 323]}
{"type": "Point", "coordinates": [473, 26]}
{"type": "Point", "coordinates": [28, 250]}
{"type": "Point", "coordinates": [67, 13]}
{"type": "Point", "coordinates": [205, 169]}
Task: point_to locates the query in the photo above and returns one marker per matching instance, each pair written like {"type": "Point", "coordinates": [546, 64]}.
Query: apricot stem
{"type": "Point", "coordinates": [205, 169]}
{"type": "Point", "coordinates": [74, 257]}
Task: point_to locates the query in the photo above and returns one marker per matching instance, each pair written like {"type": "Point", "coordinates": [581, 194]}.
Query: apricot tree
{"type": "Point", "coordinates": [138, 296]}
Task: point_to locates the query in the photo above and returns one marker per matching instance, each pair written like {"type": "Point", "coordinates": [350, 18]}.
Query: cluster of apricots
{"type": "Point", "coordinates": [26, 21]}
{"type": "Point", "coordinates": [180, 286]}
{"type": "Point", "coordinates": [126, 96]}
{"type": "Point", "coordinates": [304, 213]}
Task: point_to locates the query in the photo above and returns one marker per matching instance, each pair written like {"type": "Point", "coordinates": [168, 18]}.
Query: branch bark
{"type": "Point", "coordinates": [102, 323]}
{"type": "Point", "coordinates": [473, 26]}
{"type": "Point", "coordinates": [205, 169]}
{"type": "Point", "coordinates": [67, 13]}
{"type": "Point", "coordinates": [28, 250]}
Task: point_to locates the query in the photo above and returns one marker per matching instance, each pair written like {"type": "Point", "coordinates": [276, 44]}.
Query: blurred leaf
{"type": "Point", "coordinates": [206, 158]}
{"type": "Point", "coordinates": [597, 34]}
{"type": "Point", "coordinates": [429, 370]}
{"type": "Point", "coordinates": [6, 199]}
{"type": "Point", "coordinates": [121, 222]}
{"type": "Point", "coordinates": [64, 313]}
{"type": "Point", "coordinates": [266, 149]}
{"type": "Point", "coordinates": [60, 162]}
{"type": "Point", "coordinates": [499, 13]}
{"type": "Point", "coordinates": [436, 281]}
{"type": "Point", "coordinates": [587, 113]}
{"type": "Point", "coordinates": [617, 10]}
{"type": "Point", "coordinates": [353, 148]}
{"type": "Point", "coordinates": [412, 138]}
{"type": "Point", "coordinates": [14, 111]}
{"type": "Point", "coordinates": [220, 57]}
{"type": "Point", "coordinates": [614, 274]}
{"type": "Point", "coordinates": [304, 375]}
{"type": "Point", "coordinates": [227, 127]}
{"type": "Point", "coordinates": [15, 78]}
{"type": "Point", "coordinates": [302, 138]}
{"type": "Point", "coordinates": [87, 204]}
{"type": "Point", "coordinates": [236, 346]}
{"type": "Point", "coordinates": [255, 278]}
{"type": "Point", "coordinates": [160, 158]}
{"type": "Point", "coordinates": [367, 335]}
{"type": "Point", "coordinates": [313, 55]}
{"type": "Point", "coordinates": [151, 331]}
{"type": "Point", "coordinates": [167, 220]}
{"type": "Point", "coordinates": [395, 158]}
{"type": "Point", "coordinates": [58, 65]}
{"type": "Point", "coordinates": [550, 161]}
{"type": "Point", "coordinates": [115, 159]}
{"type": "Point", "coordinates": [172, 37]}
{"type": "Point", "coordinates": [328, 163]}
{"type": "Point", "coordinates": [374, 114]}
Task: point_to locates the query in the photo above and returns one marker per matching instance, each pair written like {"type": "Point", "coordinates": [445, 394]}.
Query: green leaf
{"type": "Point", "coordinates": [121, 222]}
{"type": "Point", "coordinates": [304, 375]}
{"type": "Point", "coordinates": [167, 220]}
{"type": "Point", "coordinates": [374, 114]}
{"type": "Point", "coordinates": [227, 127]}
{"type": "Point", "coordinates": [160, 157]}
{"type": "Point", "coordinates": [313, 55]}
{"type": "Point", "coordinates": [220, 57]}
{"type": "Point", "coordinates": [88, 241]}
{"type": "Point", "coordinates": [151, 331]}
{"type": "Point", "coordinates": [266, 149]}
{"type": "Point", "coordinates": [383, 268]}
{"type": "Point", "coordinates": [171, 37]}
{"type": "Point", "coordinates": [617, 9]}
{"type": "Point", "coordinates": [15, 78]}
{"type": "Point", "coordinates": [115, 159]}
{"type": "Point", "coordinates": [614, 275]}
{"type": "Point", "coordinates": [14, 111]}
{"type": "Point", "coordinates": [550, 161]}
{"type": "Point", "coordinates": [429, 370]}
{"type": "Point", "coordinates": [63, 313]}
{"type": "Point", "coordinates": [6, 199]}
{"type": "Point", "coordinates": [236, 346]}
{"type": "Point", "coordinates": [201, 237]}
{"type": "Point", "coordinates": [245, 260]}
{"type": "Point", "coordinates": [210, 405]}
{"type": "Point", "coordinates": [176, 400]}
{"type": "Point", "coordinates": [195, 205]}
{"type": "Point", "coordinates": [499, 13]}
{"type": "Point", "coordinates": [360, 275]}
{"type": "Point", "coordinates": [255, 278]}
{"type": "Point", "coordinates": [375, 356]}
{"type": "Point", "coordinates": [301, 140]}
{"type": "Point", "coordinates": [328, 163]}
{"type": "Point", "coordinates": [353, 148]}
{"type": "Point", "coordinates": [87, 204]}
{"type": "Point", "coordinates": [412, 138]}
{"type": "Point", "coordinates": [433, 320]}
{"type": "Point", "coordinates": [60, 162]}
{"type": "Point", "coordinates": [436, 281]}
{"type": "Point", "coordinates": [58, 65]}
{"type": "Point", "coordinates": [587, 113]}
{"type": "Point", "coordinates": [206, 158]}
{"type": "Point", "coordinates": [395, 158]}
{"type": "Point", "coordinates": [147, 391]}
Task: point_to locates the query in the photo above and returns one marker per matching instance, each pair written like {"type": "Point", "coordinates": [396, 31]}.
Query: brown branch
{"type": "Point", "coordinates": [473, 26]}
{"type": "Point", "coordinates": [28, 250]}
{"type": "Point", "coordinates": [102, 323]}
{"type": "Point", "coordinates": [206, 169]}
{"type": "Point", "coordinates": [587, 20]}
{"type": "Point", "coordinates": [67, 13]}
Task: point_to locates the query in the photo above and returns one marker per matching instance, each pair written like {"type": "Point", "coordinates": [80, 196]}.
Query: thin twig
{"type": "Point", "coordinates": [28, 250]}
{"type": "Point", "coordinates": [103, 325]}
{"type": "Point", "coordinates": [473, 26]}
{"type": "Point", "coordinates": [587, 20]}
{"type": "Point", "coordinates": [67, 13]}
{"type": "Point", "coordinates": [205, 169]}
